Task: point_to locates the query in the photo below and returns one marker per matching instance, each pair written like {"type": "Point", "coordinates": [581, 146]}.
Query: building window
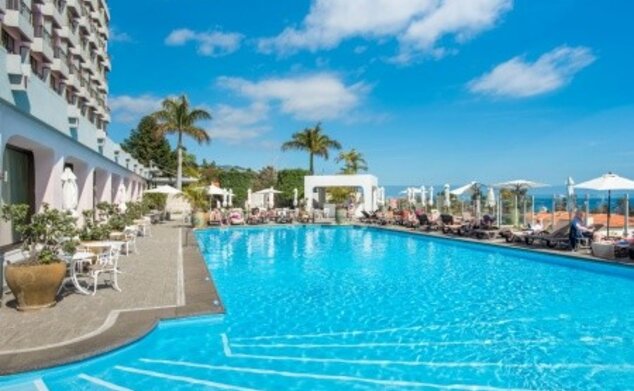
{"type": "Point", "coordinates": [8, 42]}
{"type": "Point", "coordinates": [19, 180]}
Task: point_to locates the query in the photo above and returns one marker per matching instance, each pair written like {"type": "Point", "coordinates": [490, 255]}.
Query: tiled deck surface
{"type": "Point", "coordinates": [166, 279]}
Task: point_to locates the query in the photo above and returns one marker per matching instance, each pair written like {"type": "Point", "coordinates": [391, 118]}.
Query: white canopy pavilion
{"type": "Point", "coordinates": [367, 184]}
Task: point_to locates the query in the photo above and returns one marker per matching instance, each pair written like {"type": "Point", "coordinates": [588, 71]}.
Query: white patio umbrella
{"type": "Point", "coordinates": [295, 195]}
{"type": "Point", "coordinates": [517, 186]}
{"type": "Point", "coordinates": [423, 195]}
{"type": "Point", "coordinates": [230, 198]}
{"type": "Point", "coordinates": [607, 182]}
{"type": "Point", "coordinates": [225, 196]}
{"type": "Point", "coordinates": [120, 198]}
{"type": "Point", "coordinates": [249, 199]}
{"type": "Point", "coordinates": [163, 189]}
{"type": "Point", "coordinates": [270, 195]}
{"type": "Point", "coordinates": [471, 187]}
{"type": "Point", "coordinates": [464, 189]}
{"type": "Point", "coordinates": [447, 200]}
{"type": "Point", "coordinates": [70, 192]}
{"type": "Point", "coordinates": [431, 195]}
{"type": "Point", "coordinates": [218, 204]}
{"type": "Point", "coordinates": [213, 190]}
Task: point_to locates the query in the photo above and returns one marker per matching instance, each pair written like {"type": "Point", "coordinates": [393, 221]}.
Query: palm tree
{"type": "Point", "coordinates": [353, 161]}
{"type": "Point", "coordinates": [176, 117]}
{"type": "Point", "coordinates": [314, 142]}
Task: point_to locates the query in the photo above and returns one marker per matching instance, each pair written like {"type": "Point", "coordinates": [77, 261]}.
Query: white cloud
{"type": "Point", "coordinates": [417, 24]}
{"type": "Point", "coordinates": [119, 36]}
{"type": "Point", "coordinates": [310, 97]}
{"type": "Point", "coordinates": [237, 124]}
{"type": "Point", "coordinates": [518, 78]}
{"type": "Point", "coordinates": [212, 44]}
{"type": "Point", "coordinates": [129, 109]}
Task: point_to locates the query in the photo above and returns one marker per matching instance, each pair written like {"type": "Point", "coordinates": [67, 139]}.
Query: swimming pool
{"type": "Point", "coordinates": [327, 308]}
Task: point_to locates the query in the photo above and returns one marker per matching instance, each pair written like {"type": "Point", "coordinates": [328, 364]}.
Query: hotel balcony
{"type": "Point", "coordinates": [71, 81]}
{"type": "Point", "coordinates": [60, 67]}
{"type": "Point", "coordinates": [74, 4]}
{"type": "Point", "coordinates": [83, 23]}
{"type": "Point", "coordinates": [42, 43]}
{"type": "Point", "coordinates": [18, 71]}
{"type": "Point", "coordinates": [18, 16]}
{"type": "Point", "coordinates": [50, 10]}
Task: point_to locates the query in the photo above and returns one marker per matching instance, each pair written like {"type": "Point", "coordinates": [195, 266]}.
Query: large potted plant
{"type": "Point", "coordinates": [198, 200]}
{"type": "Point", "coordinates": [339, 196]}
{"type": "Point", "coordinates": [46, 235]}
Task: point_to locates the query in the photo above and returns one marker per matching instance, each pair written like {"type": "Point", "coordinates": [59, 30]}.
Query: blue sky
{"type": "Point", "coordinates": [431, 91]}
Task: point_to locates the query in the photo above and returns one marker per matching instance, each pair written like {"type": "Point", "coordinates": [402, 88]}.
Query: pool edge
{"type": "Point", "coordinates": [128, 326]}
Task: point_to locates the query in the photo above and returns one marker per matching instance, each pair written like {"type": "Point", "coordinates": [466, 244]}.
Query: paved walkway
{"type": "Point", "coordinates": [167, 278]}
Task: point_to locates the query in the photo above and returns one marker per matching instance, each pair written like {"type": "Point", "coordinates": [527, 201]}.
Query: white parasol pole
{"type": "Point", "coordinates": [587, 206]}
{"type": "Point", "coordinates": [552, 221]}
{"type": "Point", "coordinates": [627, 215]}
{"type": "Point", "coordinates": [533, 210]}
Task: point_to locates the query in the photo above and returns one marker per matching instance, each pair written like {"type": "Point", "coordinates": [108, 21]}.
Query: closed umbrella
{"type": "Point", "coordinates": [490, 201]}
{"type": "Point", "coordinates": [447, 200]}
{"type": "Point", "coordinates": [295, 195]}
{"type": "Point", "coordinates": [225, 196]}
{"type": "Point", "coordinates": [230, 198]}
{"type": "Point", "coordinates": [218, 204]}
{"type": "Point", "coordinates": [70, 192]}
{"type": "Point", "coordinates": [431, 196]}
{"type": "Point", "coordinates": [423, 195]}
{"type": "Point", "coordinates": [249, 198]}
{"type": "Point", "coordinates": [570, 191]}
{"type": "Point", "coordinates": [608, 182]}
{"type": "Point", "coordinates": [120, 199]}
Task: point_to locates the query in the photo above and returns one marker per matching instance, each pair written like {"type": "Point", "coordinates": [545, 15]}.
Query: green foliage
{"type": "Point", "coordinates": [93, 230]}
{"type": "Point", "coordinates": [197, 197]}
{"type": "Point", "coordinates": [313, 141]}
{"type": "Point", "coordinates": [146, 147]}
{"type": "Point", "coordinates": [265, 178]}
{"type": "Point", "coordinates": [46, 234]}
{"type": "Point", "coordinates": [290, 179]}
{"type": "Point", "coordinates": [353, 162]}
{"type": "Point", "coordinates": [339, 195]}
{"type": "Point", "coordinates": [239, 182]}
{"type": "Point", "coordinates": [154, 201]}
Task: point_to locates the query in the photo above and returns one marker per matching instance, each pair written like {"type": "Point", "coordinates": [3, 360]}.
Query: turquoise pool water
{"type": "Point", "coordinates": [325, 308]}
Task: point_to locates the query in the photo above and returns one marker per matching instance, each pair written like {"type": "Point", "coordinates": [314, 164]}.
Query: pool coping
{"type": "Point", "coordinates": [124, 327]}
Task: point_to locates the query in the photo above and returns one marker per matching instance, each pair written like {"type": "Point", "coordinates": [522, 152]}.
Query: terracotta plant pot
{"type": "Point", "coordinates": [35, 286]}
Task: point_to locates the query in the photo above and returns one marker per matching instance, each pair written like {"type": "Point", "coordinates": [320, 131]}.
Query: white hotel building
{"type": "Point", "coordinates": [54, 113]}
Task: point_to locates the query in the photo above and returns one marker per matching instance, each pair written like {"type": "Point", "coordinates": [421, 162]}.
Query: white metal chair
{"type": "Point", "coordinates": [106, 263]}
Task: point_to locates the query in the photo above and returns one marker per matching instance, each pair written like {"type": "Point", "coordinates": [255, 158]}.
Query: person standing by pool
{"type": "Point", "coordinates": [578, 230]}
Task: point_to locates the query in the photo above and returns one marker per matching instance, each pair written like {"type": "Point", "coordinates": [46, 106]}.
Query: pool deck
{"type": "Point", "coordinates": [582, 255]}
{"type": "Point", "coordinates": [166, 279]}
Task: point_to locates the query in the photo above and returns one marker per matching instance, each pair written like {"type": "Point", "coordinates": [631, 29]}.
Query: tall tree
{"type": "Point", "coordinates": [313, 141]}
{"type": "Point", "coordinates": [353, 161]}
{"type": "Point", "coordinates": [177, 117]}
{"type": "Point", "coordinates": [144, 146]}
{"type": "Point", "coordinates": [266, 177]}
